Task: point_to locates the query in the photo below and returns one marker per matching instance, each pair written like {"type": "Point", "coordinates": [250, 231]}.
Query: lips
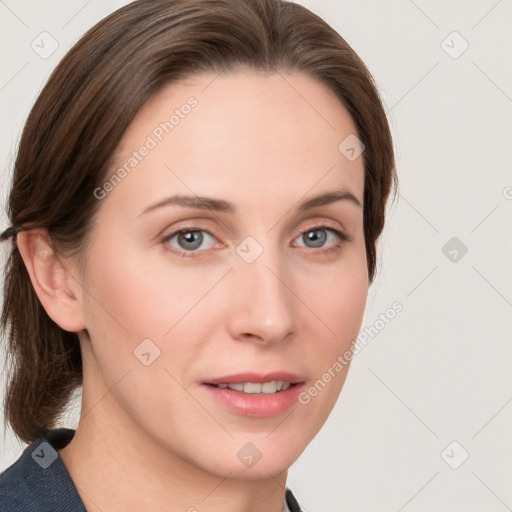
{"type": "Point", "coordinates": [256, 394]}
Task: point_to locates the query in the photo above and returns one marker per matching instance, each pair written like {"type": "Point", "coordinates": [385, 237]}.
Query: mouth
{"type": "Point", "coordinates": [267, 388]}
{"type": "Point", "coordinates": [256, 395]}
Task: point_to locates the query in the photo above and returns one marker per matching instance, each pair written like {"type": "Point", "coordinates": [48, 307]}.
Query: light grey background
{"type": "Point", "coordinates": [439, 372]}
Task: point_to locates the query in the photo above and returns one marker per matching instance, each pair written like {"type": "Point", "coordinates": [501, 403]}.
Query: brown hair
{"type": "Point", "coordinates": [81, 114]}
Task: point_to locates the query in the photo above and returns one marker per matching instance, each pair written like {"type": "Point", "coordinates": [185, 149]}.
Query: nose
{"type": "Point", "coordinates": [262, 301]}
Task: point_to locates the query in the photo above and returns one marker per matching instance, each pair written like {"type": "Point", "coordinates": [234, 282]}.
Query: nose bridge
{"type": "Point", "coordinates": [263, 302]}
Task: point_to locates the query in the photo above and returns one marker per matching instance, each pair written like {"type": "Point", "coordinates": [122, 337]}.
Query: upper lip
{"type": "Point", "coordinates": [257, 378]}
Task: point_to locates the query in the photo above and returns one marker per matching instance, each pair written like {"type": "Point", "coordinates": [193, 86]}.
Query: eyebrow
{"type": "Point", "coordinates": [220, 205]}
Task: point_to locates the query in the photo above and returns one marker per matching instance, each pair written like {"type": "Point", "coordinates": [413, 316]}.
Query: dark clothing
{"type": "Point", "coordinates": [39, 481]}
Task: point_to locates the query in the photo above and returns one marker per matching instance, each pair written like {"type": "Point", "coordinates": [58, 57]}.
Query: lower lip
{"type": "Point", "coordinates": [257, 405]}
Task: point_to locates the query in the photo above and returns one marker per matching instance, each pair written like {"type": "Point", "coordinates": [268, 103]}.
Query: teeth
{"type": "Point", "coordinates": [255, 388]}
{"type": "Point", "coordinates": [250, 387]}
{"type": "Point", "coordinates": [268, 387]}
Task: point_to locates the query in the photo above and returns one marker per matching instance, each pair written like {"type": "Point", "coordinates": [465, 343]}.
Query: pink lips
{"type": "Point", "coordinates": [258, 405]}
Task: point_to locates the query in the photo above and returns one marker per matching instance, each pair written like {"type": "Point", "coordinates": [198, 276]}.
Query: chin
{"type": "Point", "coordinates": [260, 471]}
{"type": "Point", "coordinates": [251, 460]}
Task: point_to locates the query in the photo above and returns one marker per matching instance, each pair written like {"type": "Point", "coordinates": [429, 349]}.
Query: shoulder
{"type": "Point", "coordinates": [38, 480]}
{"type": "Point", "coordinates": [15, 482]}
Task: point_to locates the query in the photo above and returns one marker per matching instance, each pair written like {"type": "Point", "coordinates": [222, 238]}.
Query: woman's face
{"type": "Point", "coordinates": [258, 287]}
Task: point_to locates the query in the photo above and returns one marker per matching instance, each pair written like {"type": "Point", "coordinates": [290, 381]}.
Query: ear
{"type": "Point", "coordinates": [58, 290]}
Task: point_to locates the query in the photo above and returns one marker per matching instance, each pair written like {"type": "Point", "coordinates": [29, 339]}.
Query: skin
{"type": "Point", "coordinates": [264, 142]}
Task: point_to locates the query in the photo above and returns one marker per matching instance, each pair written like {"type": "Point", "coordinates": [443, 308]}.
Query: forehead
{"type": "Point", "coordinates": [250, 100]}
{"type": "Point", "coordinates": [253, 133]}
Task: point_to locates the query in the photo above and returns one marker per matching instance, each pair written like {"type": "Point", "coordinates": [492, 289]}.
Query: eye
{"type": "Point", "coordinates": [317, 236]}
{"type": "Point", "coordinates": [189, 240]}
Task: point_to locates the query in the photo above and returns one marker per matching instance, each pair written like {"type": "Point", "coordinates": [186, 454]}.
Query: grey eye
{"type": "Point", "coordinates": [190, 240]}
{"type": "Point", "coordinates": [317, 237]}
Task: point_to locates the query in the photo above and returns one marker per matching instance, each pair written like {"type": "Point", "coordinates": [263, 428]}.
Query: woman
{"type": "Point", "coordinates": [196, 202]}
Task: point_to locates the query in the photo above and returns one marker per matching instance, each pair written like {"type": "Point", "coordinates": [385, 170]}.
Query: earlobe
{"type": "Point", "coordinates": [56, 288]}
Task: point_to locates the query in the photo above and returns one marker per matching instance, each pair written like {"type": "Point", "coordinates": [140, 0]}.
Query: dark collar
{"type": "Point", "coordinates": [38, 481]}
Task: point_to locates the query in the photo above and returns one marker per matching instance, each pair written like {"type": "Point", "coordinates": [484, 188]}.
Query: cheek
{"type": "Point", "coordinates": [341, 310]}
{"type": "Point", "coordinates": [131, 301]}
{"type": "Point", "coordinates": [337, 295]}
{"type": "Point", "coordinates": [338, 303]}
{"type": "Point", "coordinates": [138, 298]}
{"type": "Point", "coordinates": [143, 298]}
{"type": "Point", "coordinates": [350, 300]}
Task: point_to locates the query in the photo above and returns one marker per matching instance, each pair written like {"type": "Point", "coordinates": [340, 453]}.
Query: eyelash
{"type": "Point", "coordinates": [342, 239]}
